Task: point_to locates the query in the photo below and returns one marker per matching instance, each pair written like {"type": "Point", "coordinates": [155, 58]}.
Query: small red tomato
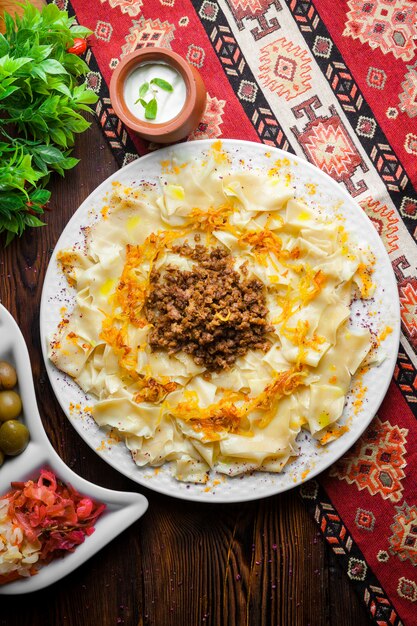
{"type": "Point", "coordinates": [79, 46]}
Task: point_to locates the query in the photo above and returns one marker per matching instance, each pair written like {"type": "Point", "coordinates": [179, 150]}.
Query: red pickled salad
{"type": "Point", "coordinates": [50, 516]}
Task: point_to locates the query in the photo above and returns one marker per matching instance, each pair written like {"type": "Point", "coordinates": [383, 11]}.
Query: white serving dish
{"type": "Point", "coordinates": [313, 458]}
{"type": "Point", "coordinates": [122, 508]}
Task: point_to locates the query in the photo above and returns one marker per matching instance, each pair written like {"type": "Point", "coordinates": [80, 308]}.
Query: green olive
{"type": "Point", "coordinates": [1, 458]}
{"type": "Point", "coordinates": [14, 437]}
{"type": "Point", "coordinates": [8, 378]}
{"type": "Point", "coordinates": [10, 405]}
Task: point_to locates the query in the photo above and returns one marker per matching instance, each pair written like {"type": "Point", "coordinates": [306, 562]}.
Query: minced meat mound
{"type": "Point", "coordinates": [210, 312]}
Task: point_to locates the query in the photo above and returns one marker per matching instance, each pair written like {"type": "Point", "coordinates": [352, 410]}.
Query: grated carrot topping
{"type": "Point", "coordinates": [365, 274]}
{"type": "Point", "coordinates": [226, 415]}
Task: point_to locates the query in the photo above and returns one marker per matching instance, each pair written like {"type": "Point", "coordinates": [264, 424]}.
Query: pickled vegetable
{"type": "Point", "coordinates": [42, 519]}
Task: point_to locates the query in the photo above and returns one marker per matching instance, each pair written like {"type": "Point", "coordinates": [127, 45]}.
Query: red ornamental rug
{"type": "Point", "coordinates": [335, 83]}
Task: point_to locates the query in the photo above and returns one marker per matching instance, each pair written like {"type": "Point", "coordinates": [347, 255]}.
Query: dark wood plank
{"type": "Point", "coordinates": [183, 564]}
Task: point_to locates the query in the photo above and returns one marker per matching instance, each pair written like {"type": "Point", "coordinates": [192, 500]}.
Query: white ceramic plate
{"type": "Point", "coordinates": [313, 458]}
{"type": "Point", "coordinates": [122, 508]}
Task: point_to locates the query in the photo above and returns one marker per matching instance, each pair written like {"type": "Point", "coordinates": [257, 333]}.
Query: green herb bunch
{"type": "Point", "coordinates": [40, 102]}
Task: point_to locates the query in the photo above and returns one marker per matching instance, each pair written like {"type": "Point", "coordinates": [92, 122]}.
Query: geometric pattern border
{"type": "Point", "coordinates": [354, 105]}
{"type": "Point", "coordinates": [243, 81]}
{"type": "Point", "coordinates": [348, 555]}
{"type": "Point", "coordinates": [405, 375]}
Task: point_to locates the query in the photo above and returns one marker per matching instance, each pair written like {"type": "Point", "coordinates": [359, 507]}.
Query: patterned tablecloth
{"type": "Point", "coordinates": [336, 83]}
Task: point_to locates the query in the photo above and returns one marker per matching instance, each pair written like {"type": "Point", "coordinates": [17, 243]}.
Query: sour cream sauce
{"type": "Point", "coordinates": [170, 103]}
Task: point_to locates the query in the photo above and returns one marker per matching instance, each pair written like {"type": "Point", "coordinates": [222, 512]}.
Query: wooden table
{"type": "Point", "coordinates": [182, 564]}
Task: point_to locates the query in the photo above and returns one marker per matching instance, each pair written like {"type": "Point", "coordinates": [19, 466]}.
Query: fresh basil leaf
{"type": "Point", "coordinates": [58, 135]}
{"type": "Point", "coordinates": [13, 225]}
{"type": "Point", "coordinates": [22, 36]}
{"type": "Point", "coordinates": [143, 89]}
{"type": "Point", "coordinates": [77, 125]}
{"type": "Point", "coordinates": [69, 163]}
{"type": "Point", "coordinates": [49, 154]}
{"type": "Point", "coordinates": [50, 13]}
{"type": "Point", "coordinates": [37, 71]}
{"type": "Point", "coordinates": [51, 66]}
{"type": "Point", "coordinates": [87, 97]}
{"type": "Point", "coordinates": [12, 201]}
{"type": "Point", "coordinates": [32, 220]}
{"type": "Point", "coordinates": [80, 31]}
{"type": "Point", "coordinates": [11, 66]}
{"type": "Point", "coordinates": [40, 196]}
{"type": "Point", "coordinates": [83, 107]}
{"type": "Point", "coordinates": [142, 102]}
{"type": "Point", "coordinates": [162, 84]}
{"type": "Point", "coordinates": [40, 164]}
{"type": "Point", "coordinates": [151, 109]}
{"type": "Point", "coordinates": [9, 22]}
{"type": "Point", "coordinates": [4, 45]}
{"type": "Point", "coordinates": [75, 65]}
{"type": "Point", "coordinates": [62, 88]}
{"type": "Point", "coordinates": [9, 237]}
{"type": "Point", "coordinates": [7, 92]}
{"type": "Point", "coordinates": [43, 52]}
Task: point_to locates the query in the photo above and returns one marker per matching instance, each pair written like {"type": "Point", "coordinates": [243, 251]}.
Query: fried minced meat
{"type": "Point", "coordinates": [211, 312]}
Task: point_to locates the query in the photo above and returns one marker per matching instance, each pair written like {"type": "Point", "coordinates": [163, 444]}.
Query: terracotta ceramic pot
{"type": "Point", "coordinates": [189, 116]}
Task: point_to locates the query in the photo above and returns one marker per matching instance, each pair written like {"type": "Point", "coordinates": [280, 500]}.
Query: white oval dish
{"type": "Point", "coordinates": [122, 508]}
{"type": "Point", "coordinates": [314, 458]}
